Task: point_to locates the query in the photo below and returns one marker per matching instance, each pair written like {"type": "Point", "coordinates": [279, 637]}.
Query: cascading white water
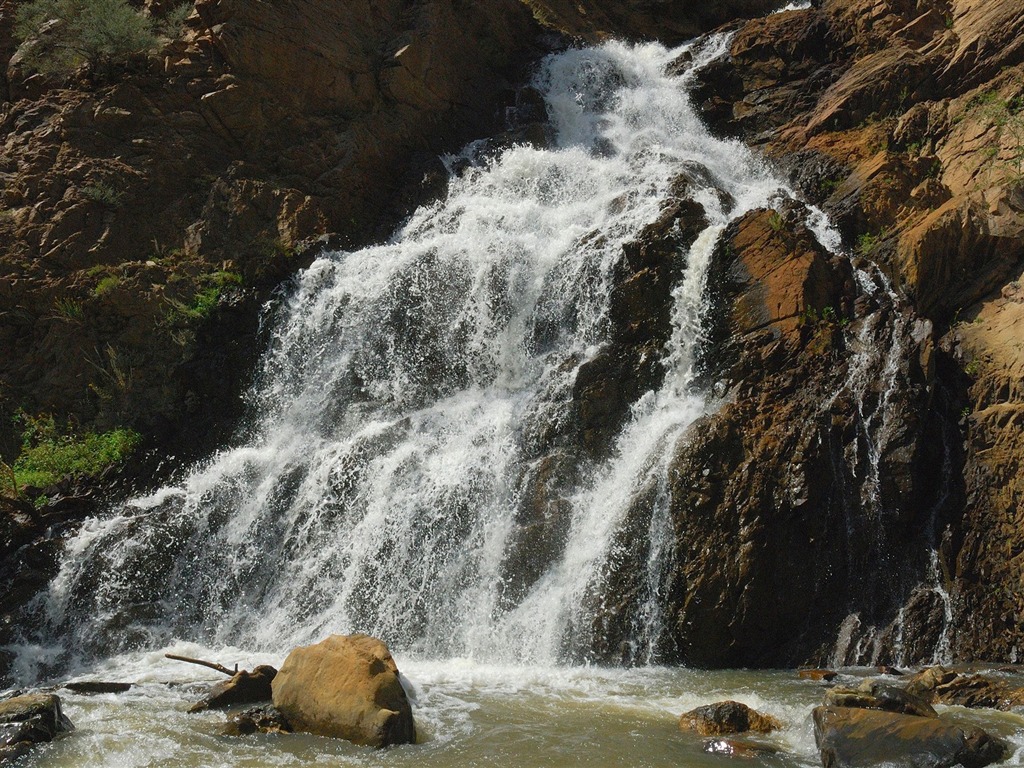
{"type": "Point", "coordinates": [405, 394]}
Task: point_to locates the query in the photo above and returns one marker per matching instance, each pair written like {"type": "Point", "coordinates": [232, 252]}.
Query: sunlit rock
{"type": "Point", "coordinates": [346, 686]}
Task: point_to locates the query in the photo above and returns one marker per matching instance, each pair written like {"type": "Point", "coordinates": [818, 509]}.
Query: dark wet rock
{"type": "Point", "coordinates": [27, 720]}
{"type": "Point", "coordinates": [875, 695]}
{"type": "Point", "coordinates": [737, 748]}
{"type": "Point", "coordinates": [97, 686]}
{"type": "Point", "coordinates": [853, 738]}
{"type": "Point", "coordinates": [726, 717]}
{"type": "Point", "coordinates": [264, 719]}
{"type": "Point", "coordinates": [244, 687]}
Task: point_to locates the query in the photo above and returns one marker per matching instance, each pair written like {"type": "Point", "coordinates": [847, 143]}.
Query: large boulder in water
{"type": "Point", "coordinates": [726, 717]}
{"type": "Point", "coordinates": [346, 686]}
{"type": "Point", "coordinates": [30, 719]}
{"type": "Point", "coordinates": [854, 738]}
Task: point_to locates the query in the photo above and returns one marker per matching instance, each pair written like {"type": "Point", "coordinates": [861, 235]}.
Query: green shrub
{"type": "Point", "coordinates": [868, 244]}
{"type": "Point", "coordinates": [68, 33]}
{"type": "Point", "coordinates": [206, 298]}
{"type": "Point", "coordinates": [174, 23]}
{"type": "Point", "coordinates": [102, 193]}
{"type": "Point", "coordinates": [49, 454]}
{"type": "Point", "coordinates": [68, 309]}
{"type": "Point", "coordinates": [106, 285]}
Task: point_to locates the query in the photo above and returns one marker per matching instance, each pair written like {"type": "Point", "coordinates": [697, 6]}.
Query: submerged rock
{"type": "Point", "coordinates": [97, 686]}
{"type": "Point", "coordinates": [265, 719]}
{"type": "Point", "coordinates": [853, 738]}
{"type": "Point", "coordinates": [818, 675]}
{"type": "Point", "coordinates": [726, 717]}
{"type": "Point", "coordinates": [243, 688]}
{"type": "Point", "coordinates": [31, 719]}
{"type": "Point", "coordinates": [346, 686]}
{"type": "Point", "coordinates": [737, 748]}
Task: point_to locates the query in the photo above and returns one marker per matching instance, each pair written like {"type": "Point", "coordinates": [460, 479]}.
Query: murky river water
{"type": "Point", "coordinates": [467, 714]}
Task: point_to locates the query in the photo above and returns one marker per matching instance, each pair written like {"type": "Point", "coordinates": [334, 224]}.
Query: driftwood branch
{"type": "Point", "coordinates": [200, 662]}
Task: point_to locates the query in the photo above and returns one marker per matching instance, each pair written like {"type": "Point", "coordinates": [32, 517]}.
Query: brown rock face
{"type": "Point", "coordinates": [669, 22]}
{"type": "Point", "coordinates": [902, 120]}
{"type": "Point", "coordinates": [346, 686]}
{"type": "Point", "coordinates": [726, 717]}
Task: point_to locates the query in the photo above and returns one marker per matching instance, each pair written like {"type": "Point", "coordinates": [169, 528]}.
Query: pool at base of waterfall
{"type": "Point", "coordinates": [467, 714]}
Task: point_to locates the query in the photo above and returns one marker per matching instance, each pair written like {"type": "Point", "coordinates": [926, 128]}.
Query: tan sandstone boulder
{"type": "Point", "coordinates": [346, 686]}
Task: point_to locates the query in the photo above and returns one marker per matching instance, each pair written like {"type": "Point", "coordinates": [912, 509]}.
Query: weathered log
{"type": "Point", "coordinates": [202, 663]}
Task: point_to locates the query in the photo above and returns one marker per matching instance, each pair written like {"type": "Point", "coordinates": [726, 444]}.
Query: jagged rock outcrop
{"type": "Point", "coordinates": [243, 687]}
{"type": "Point", "coordinates": [941, 686]}
{"type": "Point", "coordinates": [669, 22]}
{"type": "Point", "coordinates": [903, 121]}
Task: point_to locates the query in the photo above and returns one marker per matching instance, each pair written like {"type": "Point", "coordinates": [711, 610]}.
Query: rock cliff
{"type": "Point", "coordinates": [903, 121]}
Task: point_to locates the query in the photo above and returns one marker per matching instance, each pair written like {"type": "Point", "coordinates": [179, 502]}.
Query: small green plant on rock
{"type": "Point", "coordinates": [868, 244]}
{"type": "Point", "coordinates": [69, 309]}
{"type": "Point", "coordinates": [102, 193]}
{"type": "Point", "coordinates": [106, 285]}
{"type": "Point", "coordinates": [173, 25]}
{"type": "Point", "coordinates": [65, 34]}
{"type": "Point", "coordinates": [973, 368]}
{"type": "Point", "coordinates": [1007, 116]}
{"type": "Point", "coordinates": [776, 222]}
{"type": "Point", "coordinates": [49, 453]}
{"type": "Point", "coordinates": [206, 297]}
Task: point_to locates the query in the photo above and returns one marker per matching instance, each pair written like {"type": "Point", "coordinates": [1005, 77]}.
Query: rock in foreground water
{"type": "Point", "coordinates": [872, 694]}
{"type": "Point", "coordinates": [726, 717]}
{"type": "Point", "coordinates": [346, 686]}
{"type": "Point", "coordinates": [857, 738]}
{"type": "Point", "coordinates": [941, 686]}
{"type": "Point", "coordinates": [265, 719]}
{"type": "Point", "coordinates": [31, 719]}
{"type": "Point", "coordinates": [244, 687]}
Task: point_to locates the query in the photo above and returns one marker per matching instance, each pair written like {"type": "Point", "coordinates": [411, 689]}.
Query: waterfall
{"type": "Point", "coordinates": [414, 392]}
